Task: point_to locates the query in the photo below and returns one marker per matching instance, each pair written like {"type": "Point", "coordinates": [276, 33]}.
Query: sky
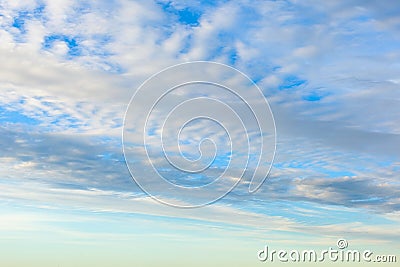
{"type": "Point", "coordinates": [329, 70]}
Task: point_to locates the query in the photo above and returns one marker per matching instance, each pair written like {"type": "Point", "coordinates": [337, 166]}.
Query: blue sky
{"type": "Point", "coordinates": [330, 72]}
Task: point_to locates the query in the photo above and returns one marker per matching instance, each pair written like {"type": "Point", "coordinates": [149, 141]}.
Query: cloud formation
{"type": "Point", "coordinates": [330, 72]}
